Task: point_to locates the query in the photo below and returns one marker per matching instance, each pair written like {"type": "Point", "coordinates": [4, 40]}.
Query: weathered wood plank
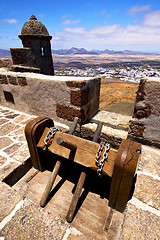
{"type": "Point", "coordinates": [85, 153]}
{"type": "Point", "coordinates": [123, 173]}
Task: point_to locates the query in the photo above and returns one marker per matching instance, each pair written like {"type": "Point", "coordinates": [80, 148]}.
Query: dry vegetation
{"type": "Point", "coordinates": [117, 96]}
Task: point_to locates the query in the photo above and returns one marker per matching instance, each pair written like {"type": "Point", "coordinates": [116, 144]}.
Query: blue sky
{"type": "Point", "coordinates": [117, 25]}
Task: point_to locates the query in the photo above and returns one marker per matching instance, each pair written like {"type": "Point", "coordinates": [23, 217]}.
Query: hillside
{"type": "Point", "coordinates": [5, 53]}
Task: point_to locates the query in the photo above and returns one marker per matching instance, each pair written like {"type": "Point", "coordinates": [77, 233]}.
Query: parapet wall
{"type": "Point", "coordinates": [145, 125]}
{"type": "Point", "coordinates": [58, 97]}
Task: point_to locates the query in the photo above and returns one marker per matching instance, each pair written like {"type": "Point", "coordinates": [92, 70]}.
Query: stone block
{"type": "Point", "coordinates": [69, 113]}
{"type": "Point", "coordinates": [139, 224]}
{"type": "Point", "coordinates": [22, 81]}
{"type": "Point", "coordinates": [149, 161]}
{"type": "Point", "coordinates": [7, 169]}
{"type": "Point", "coordinates": [21, 155]}
{"type": "Point", "coordinates": [23, 57]}
{"type": "Point", "coordinates": [5, 141]}
{"type": "Point", "coordinates": [12, 116]}
{"type": "Point", "coordinates": [76, 84]}
{"type": "Point", "coordinates": [3, 120]}
{"type": "Point", "coordinates": [7, 128]}
{"type": "Point", "coordinates": [4, 62]}
{"type": "Point", "coordinates": [33, 222]}
{"type": "Point", "coordinates": [13, 148]}
{"type": "Point", "coordinates": [111, 119]}
{"type": "Point", "coordinates": [135, 129]}
{"type": "Point", "coordinates": [79, 97]}
{"type": "Point", "coordinates": [145, 125]}
{"type": "Point", "coordinates": [12, 80]}
{"type": "Point", "coordinates": [147, 190]}
{"type": "Point", "coordinates": [42, 95]}
{"type": "Point", "coordinates": [8, 199]}
{"type": "Point", "coordinates": [108, 134]}
{"type": "Point", "coordinates": [3, 79]}
{"type": "Point", "coordinates": [2, 160]}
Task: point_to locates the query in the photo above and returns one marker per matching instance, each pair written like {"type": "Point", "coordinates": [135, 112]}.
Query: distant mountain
{"type": "Point", "coordinates": [5, 53]}
{"type": "Point", "coordinates": [74, 50]}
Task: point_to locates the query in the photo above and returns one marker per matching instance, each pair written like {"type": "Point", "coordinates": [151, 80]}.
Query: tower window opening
{"type": "Point", "coordinates": [42, 50]}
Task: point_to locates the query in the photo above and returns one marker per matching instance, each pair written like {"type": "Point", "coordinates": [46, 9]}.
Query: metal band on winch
{"type": "Point", "coordinates": [100, 163]}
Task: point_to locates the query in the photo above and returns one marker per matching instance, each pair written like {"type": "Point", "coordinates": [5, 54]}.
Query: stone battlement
{"type": "Point", "coordinates": [58, 97]}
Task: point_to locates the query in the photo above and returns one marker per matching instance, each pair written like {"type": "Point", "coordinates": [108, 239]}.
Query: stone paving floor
{"type": "Point", "coordinates": [20, 218]}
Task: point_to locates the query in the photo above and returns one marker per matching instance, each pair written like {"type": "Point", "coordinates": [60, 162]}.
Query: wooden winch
{"type": "Point", "coordinates": [120, 165]}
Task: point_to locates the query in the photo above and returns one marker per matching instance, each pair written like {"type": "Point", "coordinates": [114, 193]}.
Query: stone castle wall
{"type": "Point", "coordinates": [145, 125]}
{"type": "Point", "coordinates": [60, 98]}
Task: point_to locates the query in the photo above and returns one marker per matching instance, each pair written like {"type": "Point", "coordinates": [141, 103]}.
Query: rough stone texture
{"type": "Point", "coordinates": [136, 129]}
{"type": "Point", "coordinates": [112, 119]}
{"type": "Point", "coordinates": [111, 135]}
{"type": "Point", "coordinates": [16, 134]}
{"type": "Point", "coordinates": [5, 141]}
{"type": "Point", "coordinates": [3, 79]}
{"type": "Point", "coordinates": [12, 80]}
{"type": "Point", "coordinates": [5, 62]}
{"type": "Point", "coordinates": [7, 128]}
{"type": "Point", "coordinates": [70, 113]}
{"type": "Point", "coordinates": [79, 97]}
{"type": "Point", "coordinates": [147, 190]}
{"type": "Point", "coordinates": [22, 81]}
{"type": "Point", "coordinates": [37, 49]}
{"type": "Point", "coordinates": [152, 89]}
{"type": "Point", "coordinates": [21, 155]}
{"type": "Point", "coordinates": [149, 161]}
{"type": "Point", "coordinates": [8, 199]}
{"type": "Point", "coordinates": [3, 120]}
{"type": "Point", "coordinates": [12, 116]}
{"type": "Point", "coordinates": [140, 225]}
{"type": "Point", "coordinates": [21, 118]}
{"type": "Point", "coordinates": [19, 68]}
{"type": "Point", "coordinates": [2, 160]}
{"type": "Point", "coordinates": [147, 113]}
{"type": "Point", "coordinates": [12, 148]}
{"type": "Point", "coordinates": [6, 170]}
{"type": "Point", "coordinates": [43, 94]}
{"type": "Point", "coordinates": [76, 84]}
{"type": "Point", "coordinates": [33, 222]}
{"type": "Point", "coordinates": [23, 57]}
{"type": "Point", "coordinates": [34, 27]}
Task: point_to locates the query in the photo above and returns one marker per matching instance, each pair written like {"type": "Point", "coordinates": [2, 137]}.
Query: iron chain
{"type": "Point", "coordinates": [100, 163]}
{"type": "Point", "coordinates": [49, 137]}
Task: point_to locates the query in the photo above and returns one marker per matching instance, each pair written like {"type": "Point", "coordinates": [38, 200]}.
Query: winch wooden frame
{"type": "Point", "coordinates": [120, 165]}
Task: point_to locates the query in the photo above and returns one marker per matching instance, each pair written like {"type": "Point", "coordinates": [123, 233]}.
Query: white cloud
{"type": "Point", "coordinates": [152, 19]}
{"type": "Point", "coordinates": [80, 30]}
{"type": "Point", "coordinates": [142, 37]}
{"type": "Point", "coordinates": [69, 22]}
{"type": "Point", "coordinates": [138, 9]}
{"type": "Point", "coordinates": [66, 16]}
{"type": "Point", "coordinates": [10, 21]}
